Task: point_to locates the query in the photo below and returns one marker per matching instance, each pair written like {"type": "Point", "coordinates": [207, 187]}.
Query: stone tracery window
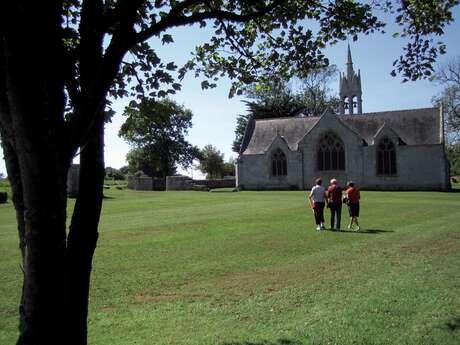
{"type": "Point", "coordinates": [386, 157]}
{"type": "Point", "coordinates": [279, 163]}
{"type": "Point", "coordinates": [330, 153]}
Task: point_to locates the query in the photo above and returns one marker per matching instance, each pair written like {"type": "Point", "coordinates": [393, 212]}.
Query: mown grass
{"type": "Point", "coordinates": [248, 268]}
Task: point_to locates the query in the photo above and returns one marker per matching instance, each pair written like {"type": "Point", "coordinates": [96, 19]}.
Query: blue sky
{"type": "Point", "coordinates": [215, 115]}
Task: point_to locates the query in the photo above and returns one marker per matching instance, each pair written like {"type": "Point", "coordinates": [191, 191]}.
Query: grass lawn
{"type": "Point", "coordinates": [248, 268]}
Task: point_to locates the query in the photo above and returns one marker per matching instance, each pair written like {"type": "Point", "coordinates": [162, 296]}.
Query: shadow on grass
{"type": "Point", "coordinates": [454, 324]}
{"type": "Point", "coordinates": [265, 342]}
{"type": "Point", "coordinates": [363, 231]}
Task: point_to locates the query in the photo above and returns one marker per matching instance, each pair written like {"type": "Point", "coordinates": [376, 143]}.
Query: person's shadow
{"type": "Point", "coordinates": [265, 342]}
{"type": "Point", "coordinates": [362, 231]}
{"type": "Point", "coordinates": [454, 324]}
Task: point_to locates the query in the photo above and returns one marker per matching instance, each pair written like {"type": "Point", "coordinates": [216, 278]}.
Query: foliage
{"type": "Point", "coordinates": [241, 123]}
{"type": "Point", "coordinates": [315, 95]}
{"type": "Point", "coordinates": [124, 170]}
{"type": "Point", "coordinates": [420, 21]}
{"type": "Point", "coordinates": [138, 160]}
{"type": "Point", "coordinates": [5, 186]}
{"type": "Point", "coordinates": [157, 132]}
{"type": "Point", "coordinates": [254, 40]}
{"type": "Point", "coordinates": [211, 162]}
{"type": "Point", "coordinates": [448, 76]}
{"type": "Point", "coordinates": [279, 98]}
{"type": "Point", "coordinates": [114, 174]}
{"type": "Point", "coordinates": [229, 167]}
{"type": "Point", "coordinates": [273, 99]}
{"type": "Point", "coordinates": [453, 155]}
{"type": "Point", "coordinates": [249, 268]}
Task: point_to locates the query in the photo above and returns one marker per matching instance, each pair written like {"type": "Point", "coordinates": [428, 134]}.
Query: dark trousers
{"type": "Point", "coordinates": [319, 212]}
{"type": "Point", "coordinates": [336, 212]}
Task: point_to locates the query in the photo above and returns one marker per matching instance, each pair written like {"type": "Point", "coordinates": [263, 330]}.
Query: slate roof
{"type": "Point", "coordinates": [265, 131]}
{"type": "Point", "coordinates": [414, 127]}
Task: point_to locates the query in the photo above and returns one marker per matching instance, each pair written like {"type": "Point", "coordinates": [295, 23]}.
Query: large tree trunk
{"type": "Point", "coordinates": [83, 233]}
{"type": "Point", "coordinates": [44, 292]}
{"type": "Point", "coordinates": [54, 303]}
{"type": "Point", "coordinates": [57, 267]}
{"type": "Point", "coordinates": [35, 107]}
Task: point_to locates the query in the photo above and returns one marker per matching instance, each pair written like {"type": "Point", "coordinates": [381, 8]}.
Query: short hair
{"type": "Point", "coordinates": [333, 181]}
{"type": "Point", "coordinates": [318, 181]}
{"type": "Point", "coordinates": [350, 184]}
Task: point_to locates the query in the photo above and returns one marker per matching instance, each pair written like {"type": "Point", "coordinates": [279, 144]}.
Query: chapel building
{"type": "Point", "coordinates": [391, 150]}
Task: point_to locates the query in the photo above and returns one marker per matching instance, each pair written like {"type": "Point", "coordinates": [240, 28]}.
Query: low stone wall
{"type": "Point", "coordinates": [186, 183]}
{"type": "Point", "coordinates": [179, 183]}
{"type": "Point", "coordinates": [146, 183]}
{"type": "Point", "coordinates": [217, 183]}
{"type": "Point", "coordinates": [268, 187]}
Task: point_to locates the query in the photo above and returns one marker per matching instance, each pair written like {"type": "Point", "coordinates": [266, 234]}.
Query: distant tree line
{"type": "Point", "coordinates": [211, 163]}
{"type": "Point", "coordinates": [156, 130]}
{"type": "Point", "coordinates": [116, 174]}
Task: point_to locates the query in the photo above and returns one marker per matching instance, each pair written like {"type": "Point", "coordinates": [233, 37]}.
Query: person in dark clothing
{"type": "Point", "coordinates": [334, 197]}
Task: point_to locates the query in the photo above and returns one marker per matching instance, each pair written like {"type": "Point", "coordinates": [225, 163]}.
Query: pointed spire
{"type": "Point", "coordinates": [350, 61]}
{"type": "Point", "coordinates": [350, 71]}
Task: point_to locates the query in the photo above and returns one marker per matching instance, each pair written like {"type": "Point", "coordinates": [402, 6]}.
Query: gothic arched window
{"type": "Point", "coordinates": [386, 157]}
{"type": "Point", "coordinates": [279, 163]}
{"type": "Point", "coordinates": [331, 153]}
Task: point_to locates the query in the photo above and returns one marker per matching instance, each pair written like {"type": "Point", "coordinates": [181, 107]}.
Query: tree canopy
{"type": "Point", "coordinates": [114, 174]}
{"type": "Point", "coordinates": [211, 162]}
{"type": "Point", "coordinates": [453, 155]}
{"type": "Point", "coordinates": [156, 130]}
{"type": "Point", "coordinates": [448, 76]}
{"type": "Point", "coordinates": [279, 98]}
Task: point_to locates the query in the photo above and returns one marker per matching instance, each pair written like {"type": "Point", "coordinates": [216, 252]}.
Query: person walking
{"type": "Point", "coordinates": [353, 197]}
{"type": "Point", "coordinates": [334, 198]}
{"type": "Point", "coordinates": [318, 200]}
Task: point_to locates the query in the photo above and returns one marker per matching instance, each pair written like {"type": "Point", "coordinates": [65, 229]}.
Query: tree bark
{"type": "Point", "coordinates": [35, 105]}
{"type": "Point", "coordinates": [83, 234]}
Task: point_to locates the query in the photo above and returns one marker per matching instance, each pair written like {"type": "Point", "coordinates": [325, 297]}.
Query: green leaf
{"type": "Point", "coordinates": [166, 39]}
{"type": "Point", "coordinates": [171, 66]}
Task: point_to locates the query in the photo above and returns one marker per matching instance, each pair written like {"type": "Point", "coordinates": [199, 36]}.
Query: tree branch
{"type": "Point", "coordinates": [173, 19]}
{"type": "Point", "coordinates": [97, 70]}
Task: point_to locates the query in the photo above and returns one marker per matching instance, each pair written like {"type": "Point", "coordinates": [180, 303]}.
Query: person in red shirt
{"type": "Point", "coordinates": [334, 197]}
{"type": "Point", "coordinates": [353, 197]}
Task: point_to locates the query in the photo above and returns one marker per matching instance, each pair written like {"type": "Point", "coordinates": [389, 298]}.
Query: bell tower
{"type": "Point", "coordinates": [350, 89]}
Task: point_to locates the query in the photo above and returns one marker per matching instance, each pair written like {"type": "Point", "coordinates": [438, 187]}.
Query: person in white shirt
{"type": "Point", "coordinates": [318, 200]}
